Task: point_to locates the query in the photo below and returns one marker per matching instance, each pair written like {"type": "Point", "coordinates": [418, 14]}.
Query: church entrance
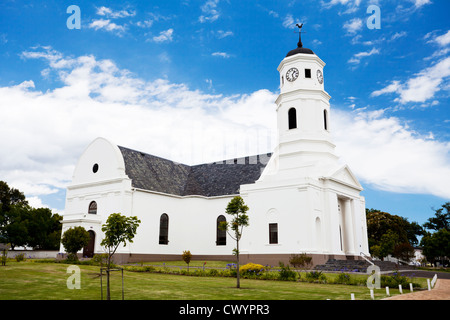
{"type": "Point", "coordinates": [88, 251]}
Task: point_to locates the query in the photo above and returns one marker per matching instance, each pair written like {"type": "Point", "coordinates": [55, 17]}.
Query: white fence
{"type": "Point", "coordinates": [31, 254]}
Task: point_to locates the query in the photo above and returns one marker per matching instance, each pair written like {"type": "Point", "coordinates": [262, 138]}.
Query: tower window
{"type": "Point", "coordinates": [292, 115]}
{"type": "Point", "coordinates": [307, 73]}
{"type": "Point", "coordinates": [325, 119]}
{"type": "Point", "coordinates": [273, 233]}
{"type": "Point", "coordinates": [92, 208]}
{"type": "Point", "coordinates": [164, 229]}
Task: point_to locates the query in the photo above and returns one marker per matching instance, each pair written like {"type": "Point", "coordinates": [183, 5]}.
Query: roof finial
{"type": "Point", "coordinates": [299, 44]}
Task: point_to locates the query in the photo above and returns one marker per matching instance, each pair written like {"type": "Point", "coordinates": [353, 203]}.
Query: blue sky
{"type": "Point", "coordinates": [190, 80]}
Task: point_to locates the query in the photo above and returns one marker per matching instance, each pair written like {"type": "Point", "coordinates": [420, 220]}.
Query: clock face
{"type": "Point", "coordinates": [292, 74]}
{"type": "Point", "coordinates": [319, 76]}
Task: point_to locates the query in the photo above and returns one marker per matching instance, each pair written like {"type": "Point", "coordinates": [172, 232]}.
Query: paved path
{"type": "Point", "coordinates": [441, 291]}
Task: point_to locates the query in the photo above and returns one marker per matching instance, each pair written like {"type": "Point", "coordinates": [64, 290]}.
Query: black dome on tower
{"type": "Point", "coordinates": [299, 50]}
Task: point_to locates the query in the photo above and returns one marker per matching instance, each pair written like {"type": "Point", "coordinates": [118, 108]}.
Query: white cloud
{"type": "Point", "coordinates": [422, 86]}
{"type": "Point", "coordinates": [393, 87]}
{"type": "Point", "coordinates": [420, 3]}
{"type": "Point", "coordinates": [289, 22]}
{"type": "Point", "coordinates": [425, 84]}
{"type": "Point", "coordinates": [443, 40]}
{"type": "Point", "coordinates": [164, 36]}
{"type": "Point", "coordinates": [108, 12]}
{"type": "Point", "coordinates": [332, 3]}
{"type": "Point", "coordinates": [353, 26]}
{"type": "Point", "coordinates": [210, 13]}
{"type": "Point", "coordinates": [170, 120]}
{"type": "Point", "coordinates": [223, 34]}
{"type": "Point", "coordinates": [356, 59]}
{"type": "Point", "coordinates": [398, 35]}
{"type": "Point", "coordinates": [106, 24]}
{"type": "Point", "coordinates": [221, 54]}
{"type": "Point", "coordinates": [386, 154]}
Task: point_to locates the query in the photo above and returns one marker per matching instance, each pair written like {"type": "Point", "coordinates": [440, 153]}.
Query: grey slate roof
{"type": "Point", "coordinates": [153, 173]}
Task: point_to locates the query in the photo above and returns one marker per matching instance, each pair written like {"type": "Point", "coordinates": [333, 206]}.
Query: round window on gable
{"type": "Point", "coordinates": [95, 168]}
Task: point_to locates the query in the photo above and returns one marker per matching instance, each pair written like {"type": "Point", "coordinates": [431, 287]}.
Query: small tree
{"type": "Point", "coordinates": [238, 209]}
{"type": "Point", "coordinates": [74, 240]}
{"type": "Point", "coordinates": [118, 230]}
{"type": "Point", "coordinates": [187, 256]}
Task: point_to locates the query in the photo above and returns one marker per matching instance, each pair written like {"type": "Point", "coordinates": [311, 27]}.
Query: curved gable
{"type": "Point", "coordinates": [102, 160]}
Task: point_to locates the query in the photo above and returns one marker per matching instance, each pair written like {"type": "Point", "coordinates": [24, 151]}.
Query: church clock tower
{"type": "Point", "coordinates": [306, 199]}
{"type": "Point", "coordinates": [303, 116]}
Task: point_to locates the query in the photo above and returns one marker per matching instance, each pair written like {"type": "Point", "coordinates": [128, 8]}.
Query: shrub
{"type": "Point", "coordinates": [251, 268]}
{"type": "Point", "coordinates": [74, 240]}
{"type": "Point", "coordinates": [100, 259]}
{"type": "Point", "coordinates": [316, 276]}
{"type": "Point", "coordinates": [343, 278]}
{"type": "Point", "coordinates": [212, 272]}
{"type": "Point", "coordinates": [20, 257]}
{"type": "Point", "coordinates": [394, 280]}
{"type": "Point", "coordinates": [187, 256]}
{"type": "Point", "coordinates": [140, 268]}
{"type": "Point", "coordinates": [286, 273]}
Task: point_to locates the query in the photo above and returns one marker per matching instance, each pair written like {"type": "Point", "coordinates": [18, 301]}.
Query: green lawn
{"type": "Point", "coordinates": [47, 281]}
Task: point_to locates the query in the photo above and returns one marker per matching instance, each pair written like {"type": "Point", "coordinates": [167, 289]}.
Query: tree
{"type": "Point", "coordinates": [74, 240]}
{"type": "Point", "coordinates": [386, 231]}
{"type": "Point", "coordinates": [15, 228]}
{"type": "Point", "coordinates": [238, 209]}
{"type": "Point", "coordinates": [436, 244]}
{"type": "Point", "coordinates": [44, 229]}
{"type": "Point", "coordinates": [10, 196]}
{"type": "Point", "coordinates": [22, 225]}
{"type": "Point", "coordinates": [118, 230]}
{"type": "Point", "coordinates": [403, 251]}
{"type": "Point", "coordinates": [13, 211]}
{"type": "Point", "coordinates": [187, 256]}
{"type": "Point", "coordinates": [441, 219]}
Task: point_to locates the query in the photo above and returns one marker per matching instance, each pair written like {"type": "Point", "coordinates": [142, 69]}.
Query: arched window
{"type": "Point", "coordinates": [92, 207]}
{"type": "Point", "coordinates": [325, 119]}
{"type": "Point", "coordinates": [221, 235]}
{"type": "Point", "coordinates": [164, 229]}
{"type": "Point", "coordinates": [292, 114]}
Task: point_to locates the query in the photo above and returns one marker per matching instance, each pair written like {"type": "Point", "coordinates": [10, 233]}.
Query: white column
{"type": "Point", "coordinates": [348, 228]}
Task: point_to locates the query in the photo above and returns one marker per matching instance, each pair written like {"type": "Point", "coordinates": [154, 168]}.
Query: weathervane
{"type": "Point", "coordinates": [300, 44]}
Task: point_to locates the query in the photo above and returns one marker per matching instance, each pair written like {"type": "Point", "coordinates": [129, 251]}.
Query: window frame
{"type": "Point", "coordinates": [92, 210]}
{"type": "Point", "coordinates": [308, 74]}
{"type": "Point", "coordinates": [221, 235]}
{"type": "Point", "coordinates": [273, 233]}
{"type": "Point", "coordinates": [164, 229]}
{"type": "Point", "coordinates": [292, 118]}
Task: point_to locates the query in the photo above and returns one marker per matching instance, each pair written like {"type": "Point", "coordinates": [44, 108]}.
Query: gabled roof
{"type": "Point", "coordinates": [153, 173]}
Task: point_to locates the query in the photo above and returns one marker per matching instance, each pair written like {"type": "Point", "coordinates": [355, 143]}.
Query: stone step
{"type": "Point", "coordinates": [357, 266]}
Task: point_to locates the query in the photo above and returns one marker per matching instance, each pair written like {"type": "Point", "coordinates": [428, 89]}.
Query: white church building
{"type": "Point", "coordinates": [302, 199]}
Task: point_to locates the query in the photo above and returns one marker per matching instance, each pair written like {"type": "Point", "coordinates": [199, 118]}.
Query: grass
{"type": "Point", "coordinates": [47, 281]}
